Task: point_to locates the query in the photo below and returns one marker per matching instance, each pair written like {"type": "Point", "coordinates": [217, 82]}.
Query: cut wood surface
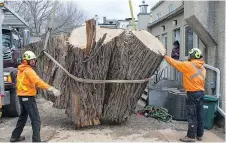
{"type": "Point", "coordinates": [122, 55]}
{"type": "Point", "coordinates": [78, 35]}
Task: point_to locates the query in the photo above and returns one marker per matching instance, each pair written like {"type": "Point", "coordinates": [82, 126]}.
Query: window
{"type": "Point", "coordinates": [188, 39]}
{"type": "Point", "coordinates": [164, 40]}
{"type": "Point", "coordinates": [176, 35]}
{"type": "Point", "coordinates": [170, 8]}
{"type": "Point", "coordinates": [16, 41]}
{"type": "Point", "coordinates": [6, 39]}
{"type": "Point", "coordinates": [158, 37]}
{"type": "Point", "coordinates": [158, 15]}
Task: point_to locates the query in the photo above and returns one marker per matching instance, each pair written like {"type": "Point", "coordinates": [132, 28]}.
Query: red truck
{"type": "Point", "coordinates": [13, 36]}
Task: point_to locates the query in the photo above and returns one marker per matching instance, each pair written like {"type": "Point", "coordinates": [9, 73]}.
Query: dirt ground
{"type": "Point", "coordinates": [57, 128]}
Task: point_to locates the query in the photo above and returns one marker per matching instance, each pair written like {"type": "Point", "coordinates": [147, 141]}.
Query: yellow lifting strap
{"type": "Point", "coordinates": [131, 11]}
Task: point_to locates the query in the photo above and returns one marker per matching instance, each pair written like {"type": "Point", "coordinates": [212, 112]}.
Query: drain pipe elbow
{"type": "Point", "coordinates": [217, 86]}
{"type": "Point", "coordinates": [217, 78]}
{"type": "Point", "coordinates": [221, 111]}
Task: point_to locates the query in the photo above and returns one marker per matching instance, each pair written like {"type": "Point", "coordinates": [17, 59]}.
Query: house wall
{"type": "Point", "coordinates": [143, 21]}
{"type": "Point", "coordinates": [122, 24]}
{"type": "Point", "coordinates": [130, 26]}
{"type": "Point", "coordinates": [107, 26]}
{"type": "Point", "coordinates": [168, 32]}
{"type": "Point", "coordinates": [208, 20]}
{"type": "Point", "coordinates": [163, 8]}
{"type": "Point", "coordinates": [169, 28]}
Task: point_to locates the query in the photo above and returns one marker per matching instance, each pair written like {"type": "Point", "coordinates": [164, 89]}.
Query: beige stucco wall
{"type": "Point", "coordinates": [163, 8]}
{"type": "Point", "coordinates": [208, 21]}
{"type": "Point", "coordinates": [211, 16]}
{"type": "Point", "coordinates": [169, 28]}
{"type": "Point", "coordinates": [143, 21]}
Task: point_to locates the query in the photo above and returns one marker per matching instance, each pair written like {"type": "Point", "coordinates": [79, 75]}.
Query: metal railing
{"type": "Point", "coordinates": [166, 73]}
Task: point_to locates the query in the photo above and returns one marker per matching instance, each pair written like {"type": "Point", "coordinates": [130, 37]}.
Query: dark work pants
{"type": "Point", "coordinates": [195, 114]}
{"type": "Point", "coordinates": [28, 108]}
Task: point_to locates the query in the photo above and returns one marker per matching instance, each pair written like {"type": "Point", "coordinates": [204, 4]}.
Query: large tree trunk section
{"type": "Point", "coordinates": [118, 55]}
{"type": "Point", "coordinates": [131, 59]}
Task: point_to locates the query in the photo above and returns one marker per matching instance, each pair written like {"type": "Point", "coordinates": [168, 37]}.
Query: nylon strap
{"type": "Point", "coordinates": [199, 72]}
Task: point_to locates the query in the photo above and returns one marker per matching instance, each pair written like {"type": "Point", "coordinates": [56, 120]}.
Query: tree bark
{"type": "Point", "coordinates": [90, 35]}
{"type": "Point", "coordinates": [123, 57]}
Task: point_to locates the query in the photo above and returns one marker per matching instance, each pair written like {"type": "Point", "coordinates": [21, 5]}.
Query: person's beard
{"type": "Point", "coordinates": [32, 65]}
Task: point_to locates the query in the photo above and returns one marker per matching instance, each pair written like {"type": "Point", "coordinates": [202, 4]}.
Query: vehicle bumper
{"type": "Point", "coordinates": [9, 86]}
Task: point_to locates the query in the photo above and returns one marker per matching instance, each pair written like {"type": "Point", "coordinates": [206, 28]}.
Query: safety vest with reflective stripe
{"type": "Point", "coordinates": [194, 73]}
{"type": "Point", "coordinates": [20, 83]}
{"type": "Point", "coordinates": [28, 81]}
{"type": "Point", "coordinates": [199, 72]}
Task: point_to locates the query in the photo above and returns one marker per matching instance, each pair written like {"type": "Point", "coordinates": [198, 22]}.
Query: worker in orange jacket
{"type": "Point", "coordinates": [27, 81]}
{"type": "Point", "coordinates": [194, 74]}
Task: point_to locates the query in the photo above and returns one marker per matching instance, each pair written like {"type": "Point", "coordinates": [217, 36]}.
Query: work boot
{"type": "Point", "coordinates": [21, 138]}
{"type": "Point", "coordinates": [199, 138]}
{"type": "Point", "coordinates": [187, 139]}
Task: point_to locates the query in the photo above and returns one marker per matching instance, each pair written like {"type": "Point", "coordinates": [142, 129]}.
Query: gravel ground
{"type": "Point", "coordinates": [135, 122]}
{"type": "Point", "coordinates": [137, 128]}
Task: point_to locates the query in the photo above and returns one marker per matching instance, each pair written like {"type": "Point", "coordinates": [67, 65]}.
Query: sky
{"type": "Point", "coordinates": [112, 9]}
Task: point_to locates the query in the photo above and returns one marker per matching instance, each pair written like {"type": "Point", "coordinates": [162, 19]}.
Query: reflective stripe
{"type": "Point", "coordinates": [199, 72]}
{"type": "Point", "coordinates": [20, 85]}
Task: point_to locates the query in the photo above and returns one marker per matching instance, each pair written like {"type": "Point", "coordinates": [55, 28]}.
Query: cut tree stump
{"type": "Point", "coordinates": [117, 54]}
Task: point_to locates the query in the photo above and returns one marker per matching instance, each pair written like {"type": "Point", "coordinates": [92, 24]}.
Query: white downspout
{"type": "Point", "coordinates": [217, 87]}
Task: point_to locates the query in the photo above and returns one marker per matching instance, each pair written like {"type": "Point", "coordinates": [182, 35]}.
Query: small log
{"type": "Point", "coordinates": [90, 35]}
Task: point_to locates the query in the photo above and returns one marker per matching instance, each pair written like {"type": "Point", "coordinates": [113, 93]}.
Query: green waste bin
{"type": "Point", "coordinates": [210, 109]}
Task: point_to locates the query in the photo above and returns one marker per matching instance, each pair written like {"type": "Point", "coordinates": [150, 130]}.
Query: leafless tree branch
{"type": "Point", "coordinates": [38, 12]}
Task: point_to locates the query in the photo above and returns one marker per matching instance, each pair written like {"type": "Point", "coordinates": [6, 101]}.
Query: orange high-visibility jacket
{"type": "Point", "coordinates": [27, 80]}
{"type": "Point", "coordinates": [194, 73]}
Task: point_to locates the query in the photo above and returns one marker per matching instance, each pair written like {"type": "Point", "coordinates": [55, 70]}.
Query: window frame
{"type": "Point", "coordinates": [171, 8]}
{"type": "Point", "coordinates": [158, 37]}
{"type": "Point", "coordinates": [195, 41]}
{"type": "Point", "coordinates": [158, 15]}
{"type": "Point", "coordinates": [173, 35]}
{"type": "Point", "coordinates": [165, 35]}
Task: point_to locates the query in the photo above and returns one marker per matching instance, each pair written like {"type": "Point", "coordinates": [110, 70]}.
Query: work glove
{"type": "Point", "coordinates": [165, 55]}
{"type": "Point", "coordinates": [55, 91]}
